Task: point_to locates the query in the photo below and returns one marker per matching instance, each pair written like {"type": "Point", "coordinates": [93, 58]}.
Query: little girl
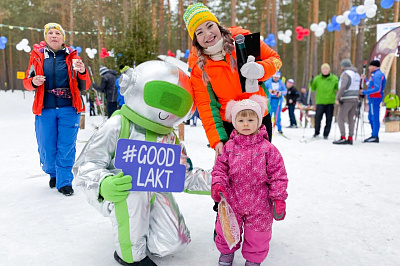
{"type": "Point", "coordinates": [250, 173]}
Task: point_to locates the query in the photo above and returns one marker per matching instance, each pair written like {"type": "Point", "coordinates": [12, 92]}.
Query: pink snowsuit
{"type": "Point", "coordinates": [253, 173]}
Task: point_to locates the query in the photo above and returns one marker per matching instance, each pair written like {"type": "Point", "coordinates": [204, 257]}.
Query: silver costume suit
{"type": "Point", "coordinates": [153, 220]}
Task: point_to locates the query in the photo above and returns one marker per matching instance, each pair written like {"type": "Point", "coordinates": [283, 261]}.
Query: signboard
{"type": "Point", "coordinates": [153, 166]}
{"type": "Point", "coordinates": [386, 49]}
{"type": "Point", "coordinates": [382, 29]}
{"type": "Point", "coordinates": [20, 75]}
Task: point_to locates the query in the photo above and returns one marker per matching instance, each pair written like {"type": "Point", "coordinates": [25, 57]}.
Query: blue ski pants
{"type": "Point", "coordinates": [56, 132]}
{"type": "Point", "coordinates": [276, 112]}
{"type": "Point", "coordinates": [373, 115]}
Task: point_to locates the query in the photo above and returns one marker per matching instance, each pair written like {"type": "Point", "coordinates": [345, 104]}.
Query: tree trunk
{"type": "Point", "coordinates": [394, 64]}
{"type": "Point", "coordinates": [71, 22]}
{"type": "Point", "coordinates": [161, 26]}
{"type": "Point", "coordinates": [99, 26]}
{"type": "Point", "coordinates": [360, 47]}
{"type": "Point", "coordinates": [274, 24]}
{"type": "Point", "coordinates": [125, 11]}
{"type": "Point", "coordinates": [314, 40]}
{"type": "Point", "coordinates": [262, 25]}
{"type": "Point", "coordinates": [306, 72]}
{"type": "Point", "coordinates": [295, 42]}
{"type": "Point", "coordinates": [181, 26]}
{"type": "Point", "coordinates": [344, 49]}
{"type": "Point", "coordinates": [154, 18]}
{"type": "Point", "coordinates": [247, 14]}
{"type": "Point", "coordinates": [233, 12]}
{"type": "Point", "coordinates": [169, 23]}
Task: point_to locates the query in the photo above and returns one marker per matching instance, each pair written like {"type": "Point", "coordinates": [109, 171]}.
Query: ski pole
{"type": "Point", "coordinates": [362, 101]}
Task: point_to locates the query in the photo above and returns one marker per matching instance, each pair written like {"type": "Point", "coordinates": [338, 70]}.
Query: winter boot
{"type": "Point", "coordinates": [66, 190]}
{"type": "Point", "coordinates": [350, 140]}
{"type": "Point", "coordinates": [372, 140]}
{"type": "Point", "coordinates": [248, 263]}
{"type": "Point", "coordinates": [226, 259]}
{"type": "Point", "coordinates": [144, 262]}
{"type": "Point", "coordinates": [52, 182]}
{"type": "Point", "coordinates": [342, 140]}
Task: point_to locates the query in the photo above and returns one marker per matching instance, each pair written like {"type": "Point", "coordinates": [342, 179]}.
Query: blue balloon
{"type": "Point", "coordinates": [119, 54]}
{"type": "Point", "coordinates": [187, 52]}
{"type": "Point", "coordinates": [387, 3]}
{"type": "Point", "coordinates": [2, 46]}
{"type": "Point", "coordinates": [334, 20]}
{"type": "Point", "coordinates": [337, 28]}
{"type": "Point", "coordinates": [272, 43]}
{"type": "Point", "coordinates": [330, 27]}
{"type": "Point", "coordinates": [3, 39]}
{"type": "Point", "coordinates": [78, 49]}
{"type": "Point", "coordinates": [72, 47]}
{"type": "Point", "coordinates": [355, 21]}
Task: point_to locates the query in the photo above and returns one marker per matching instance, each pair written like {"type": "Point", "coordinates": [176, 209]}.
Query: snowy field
{"type": "Point", "coordinates": [343, 206]}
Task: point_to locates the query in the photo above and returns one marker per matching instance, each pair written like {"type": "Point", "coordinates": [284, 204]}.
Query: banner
{"type": "Point", "coordinates": [153, 166]}
{"type": "Point", "coordinates": [382, 29]}
{"type": "Point", "coordinates": [386, 49]}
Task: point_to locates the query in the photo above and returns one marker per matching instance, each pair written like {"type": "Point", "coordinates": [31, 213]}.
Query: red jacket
{"type": "Point", "coordinates": [211, 99]}
{"type": "Point", "coordinates": [36, 66]}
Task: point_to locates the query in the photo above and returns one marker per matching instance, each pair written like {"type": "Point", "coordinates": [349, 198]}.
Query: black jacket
{"type": "Point", "coordinates": [293, 95]}
{"type": "Point", "coordinates": [107, 85]}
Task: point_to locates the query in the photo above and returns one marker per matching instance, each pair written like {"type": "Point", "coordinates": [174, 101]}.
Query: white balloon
{"type": "Point", "coordinates": [314, 27]}
{"type": "Point", "coordinates": [261, 38]}
{"type": "Point", "coordinates": [27, 49]}
{"type": "Point", "coordinates": [24, 42]}
{"type": "Point", "coordinates": [287, 39]}
{"type": "Point", "coordinates": [347, 22]}
{"type": "Point", "coordinates": [371, 13]}
{"type": "Point", "coordinates": [288, 33]}
{"type": "Point", "coordinates": [369, 2]}
{"type": "Point", "coordinates": [340, 19]}
{"type": "Point", "coordinates": [375, 7]}
{"type": "Point", "coordinates": [346, 14]}
{"type": "Point", "coordinates": [280, 32]}
{"type": "Point", "coordinates": [91, 55]}
{"type": "Point", "coordinates": [319, 32]}
{"type": "Point", "coordinates": [281, 36]}
{"type": "Point", "coordinates": [19, 47]}
{"type": "Point", "coordinates": [322, 25]}
{"type": "Point", "coordinates": [88, 50]}
{"type": "Point", "coordinates": [94, 51]}
{"type": "Point", "coordinates": [360, 10]}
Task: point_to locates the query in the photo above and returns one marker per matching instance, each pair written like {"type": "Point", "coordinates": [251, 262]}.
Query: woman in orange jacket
{"type": "Point", "coordinates": [214, 74]}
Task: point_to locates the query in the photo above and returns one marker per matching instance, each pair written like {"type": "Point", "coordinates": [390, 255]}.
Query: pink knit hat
{"type": "Point", "coordinates": [256, 103]}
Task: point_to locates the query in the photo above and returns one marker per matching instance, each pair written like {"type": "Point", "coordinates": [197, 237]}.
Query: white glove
{"type": "Point", "coordinates": [252, 70]}
{"type": "Point", "coordinates": [251, 85]}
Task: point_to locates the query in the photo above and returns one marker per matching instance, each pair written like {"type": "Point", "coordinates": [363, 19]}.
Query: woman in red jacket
{"type": "Point", "coordinates": [57, 74]}
{"type": "Point", "coordinates": [214, 74]}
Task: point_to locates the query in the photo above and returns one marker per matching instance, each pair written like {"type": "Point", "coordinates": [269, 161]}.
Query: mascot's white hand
{"type": "Point", "coordinates": [252, 70]}
{"type": "Point", "coordinates": [251, 85]}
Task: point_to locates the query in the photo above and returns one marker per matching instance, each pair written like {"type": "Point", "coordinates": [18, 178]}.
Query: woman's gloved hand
{"type": "Point", "coordinates": [216, 189]}
{"type": "Point", "coordinates": [115, 188]}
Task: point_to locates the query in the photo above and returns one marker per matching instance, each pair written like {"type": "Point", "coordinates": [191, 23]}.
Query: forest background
{"type": "Point", "coordinates": [139, 30]}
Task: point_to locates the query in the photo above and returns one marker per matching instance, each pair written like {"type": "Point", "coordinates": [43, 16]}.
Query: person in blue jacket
{"type": "Point", "coordinates": [277, 90]}
{"type": "Point", "coordinates": [120, 99]}
{"type": "Point", "coordinates": [374, 92]}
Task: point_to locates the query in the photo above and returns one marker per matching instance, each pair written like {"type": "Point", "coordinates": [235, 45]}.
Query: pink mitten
{"type": "Point", "coordinates": [216, 189]}
{"type": "Point", "coordinates": [279, 210]}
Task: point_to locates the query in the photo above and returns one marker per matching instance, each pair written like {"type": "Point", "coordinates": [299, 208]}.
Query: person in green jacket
{"type": "Point", "coordinates": [325, 86]}
{"type": "Point", "coordinates": [392, 102]}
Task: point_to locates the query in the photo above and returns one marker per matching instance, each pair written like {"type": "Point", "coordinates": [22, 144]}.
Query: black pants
{"type": "Point", "coordinates": [266, 122]}
{"type": "Point", "coordinates": [291, 115]}
{"type": "Point", "coordinates": [322, 109]}
{"type": "Point", "coordinates": [111, 108]}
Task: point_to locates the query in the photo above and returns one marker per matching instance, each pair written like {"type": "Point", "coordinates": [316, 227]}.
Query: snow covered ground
{"type": "Point", "coordinates": [343, 206]}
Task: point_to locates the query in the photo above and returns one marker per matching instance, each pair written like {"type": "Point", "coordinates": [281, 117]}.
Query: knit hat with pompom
{"type": "Point", "coordinates": [256, 103]}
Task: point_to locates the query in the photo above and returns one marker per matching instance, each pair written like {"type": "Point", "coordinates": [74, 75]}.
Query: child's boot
{"type": "Point", "coordinates": [248, 263]}
{"type": "Point", "coordinates": [226, 259]}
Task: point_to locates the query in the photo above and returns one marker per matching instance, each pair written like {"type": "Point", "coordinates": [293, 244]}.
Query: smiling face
{"type": "Point", "coordinates": [54, 39]}
{"type": "Point", "coordinates": [246, 122]}
{"type": "Point", "coordinates": [208, 34]}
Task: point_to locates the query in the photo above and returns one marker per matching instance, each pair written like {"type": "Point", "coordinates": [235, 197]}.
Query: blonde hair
{"type": "Point", "coordinates": [228, 47]}
{"type": "Point", "coordinates": [246, 113]}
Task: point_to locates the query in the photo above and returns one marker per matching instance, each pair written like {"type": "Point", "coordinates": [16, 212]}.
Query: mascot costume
{"type": "Point", "coordinates": [157, 98]}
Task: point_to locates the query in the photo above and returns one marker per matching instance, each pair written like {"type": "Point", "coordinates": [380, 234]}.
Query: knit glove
{"type": "Point", "coordinates": [279, 209]}
{"type": "Point", "coordinates": [252, 70]}
{"type": "Point", "coordinates": [115, 188]}
{"type": "Point", "coordinates": [216, 189]}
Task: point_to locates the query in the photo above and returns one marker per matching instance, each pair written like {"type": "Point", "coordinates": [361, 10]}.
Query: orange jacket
{"type": "Point", "coordinates": [76, 82]}
{"type": "Point", "coordinates": [224, 85]}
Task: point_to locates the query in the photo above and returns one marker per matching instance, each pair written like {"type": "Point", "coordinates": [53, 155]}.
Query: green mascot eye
{"type": "Point", "coordinates": [168, 97]}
